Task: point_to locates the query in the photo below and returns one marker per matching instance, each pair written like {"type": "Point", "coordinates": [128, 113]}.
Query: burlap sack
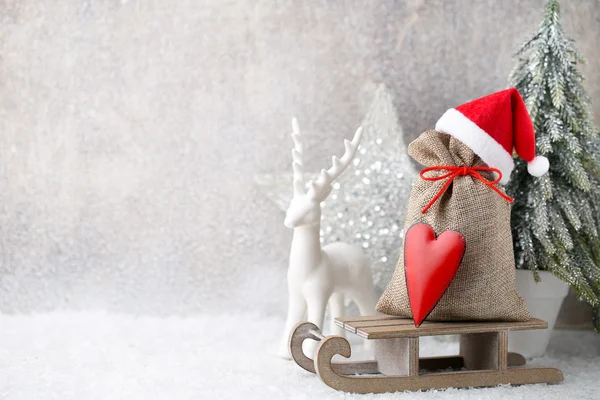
{"type": "Point", "coordinates": [484, 286]}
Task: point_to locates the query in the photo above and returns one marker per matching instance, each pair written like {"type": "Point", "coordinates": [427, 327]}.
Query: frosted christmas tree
{"type": "Point", "coordinates": [555, 218]}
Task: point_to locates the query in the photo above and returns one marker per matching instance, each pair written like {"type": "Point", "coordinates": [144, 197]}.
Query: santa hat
{"type": "Point", "coordinates": [492, 126]}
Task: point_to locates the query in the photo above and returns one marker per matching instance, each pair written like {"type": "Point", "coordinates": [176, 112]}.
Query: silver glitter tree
{"type": "Point", "coordinates": [368, 203]}
{"type": "Point", "coordinates": [555, 218]}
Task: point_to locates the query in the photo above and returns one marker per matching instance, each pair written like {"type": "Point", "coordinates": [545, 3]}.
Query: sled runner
{"type": "Point", "coordinates": [484, 359]}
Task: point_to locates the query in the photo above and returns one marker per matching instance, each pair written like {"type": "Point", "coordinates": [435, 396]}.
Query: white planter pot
{"type": "Point", "coordinates": [544, 300]}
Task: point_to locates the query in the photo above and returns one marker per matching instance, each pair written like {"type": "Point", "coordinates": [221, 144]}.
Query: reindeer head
{"type": "Point", "coordinates": [305, 207]}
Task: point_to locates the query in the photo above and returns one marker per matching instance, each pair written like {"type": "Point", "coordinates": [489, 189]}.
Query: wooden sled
{"type": "Point", "coordinates": [484, 359]}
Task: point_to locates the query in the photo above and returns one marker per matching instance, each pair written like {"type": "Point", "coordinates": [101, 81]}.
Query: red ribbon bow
{"type": "Point", "coordinates": [461, 171]}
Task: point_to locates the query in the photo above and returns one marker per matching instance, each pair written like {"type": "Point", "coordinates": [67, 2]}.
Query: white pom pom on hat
{"type": "Point", "coordinates": [492, 127]}
{"type": "Point", "coordinates": [539, 166]}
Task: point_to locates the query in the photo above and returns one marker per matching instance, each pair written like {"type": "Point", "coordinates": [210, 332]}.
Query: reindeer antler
{"type": "Point", "coordinates": [320, 188]}
{"type": "Point", "coordinates": [297, 163]}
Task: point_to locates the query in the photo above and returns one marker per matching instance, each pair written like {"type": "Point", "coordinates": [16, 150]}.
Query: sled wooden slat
{"type": "Point", "coordinates": [341, 322]}
{"type": "Point", "coordinates": [383, 322]}
{"type": "Point", "coordinates": [404, 328]}
{"type": "Point", "coordinates": [367, 318]}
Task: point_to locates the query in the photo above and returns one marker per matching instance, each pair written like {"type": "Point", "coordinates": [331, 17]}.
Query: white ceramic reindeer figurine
{"type": "Point", "coordinates": [318, 275]}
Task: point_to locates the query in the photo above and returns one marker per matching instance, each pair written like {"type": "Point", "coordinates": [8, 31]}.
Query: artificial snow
{"type": "Point", "coordinates": [95, 355]}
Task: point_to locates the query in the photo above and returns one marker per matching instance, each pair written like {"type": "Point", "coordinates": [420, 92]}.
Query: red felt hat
{"type": "Point", "coordinates": [492, 127]}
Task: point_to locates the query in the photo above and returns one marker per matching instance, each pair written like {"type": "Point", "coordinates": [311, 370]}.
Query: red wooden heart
{"type": "Point", "coordinates": [429, 266]}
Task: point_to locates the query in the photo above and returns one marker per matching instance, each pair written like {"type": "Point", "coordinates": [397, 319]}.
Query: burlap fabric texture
{"type": "Point", "coordinates": [484, 286]}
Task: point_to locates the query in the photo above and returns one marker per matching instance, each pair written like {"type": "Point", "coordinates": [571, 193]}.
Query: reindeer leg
{"type": "Point", "coordinates": [366, 304]}
{"type": "Point", "coordinates": [316, 314]}
{"type": "Point", "coordinates": [336, 310]}
{"type": "Point", "coordinates": [296, 312]}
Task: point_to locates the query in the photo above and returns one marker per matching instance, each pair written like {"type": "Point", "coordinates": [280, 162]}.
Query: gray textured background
{"type": "Point", "coordinates": [130, 131]}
